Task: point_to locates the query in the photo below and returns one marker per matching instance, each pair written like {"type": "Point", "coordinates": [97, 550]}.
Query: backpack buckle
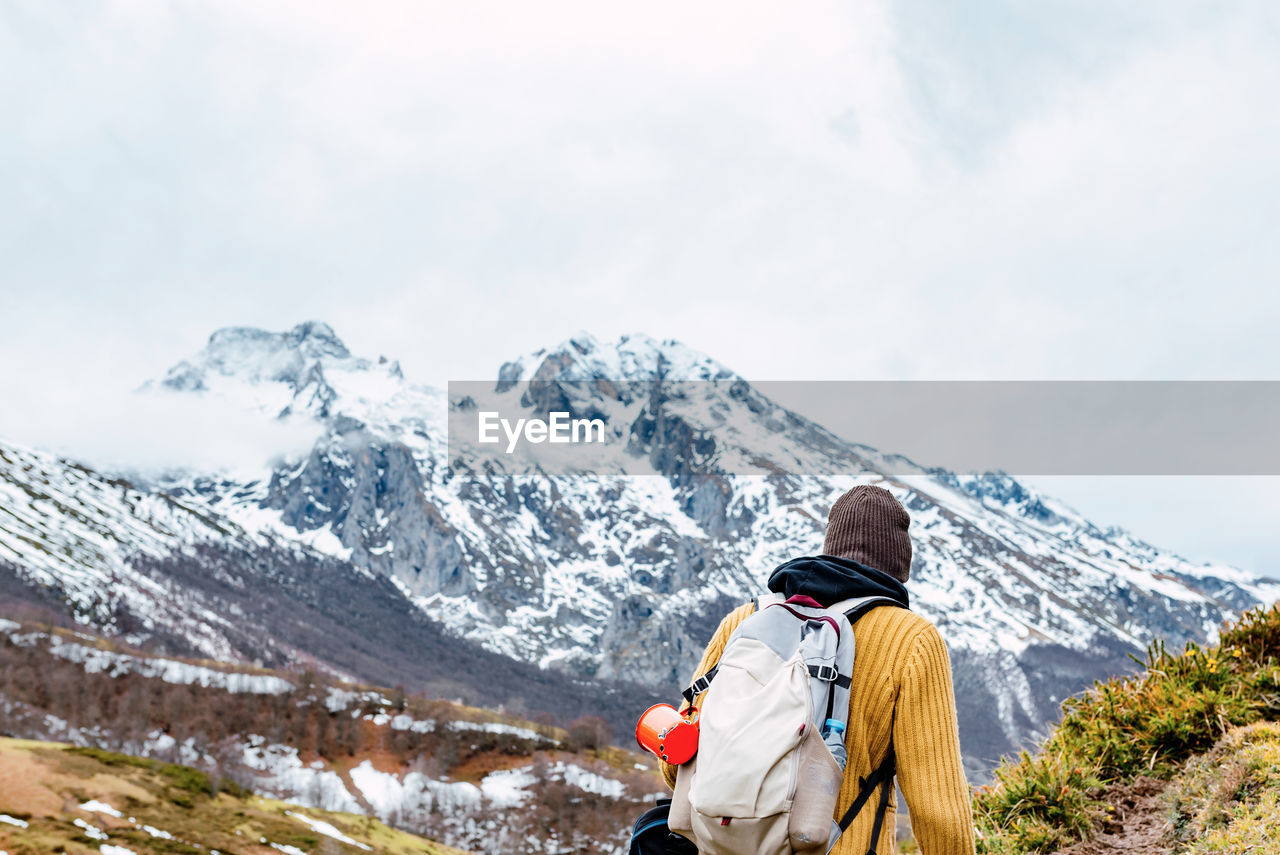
{"type": "Point", "coordinates": [700, 685]}
{"type": "Point", "coordinates": [824, 672]}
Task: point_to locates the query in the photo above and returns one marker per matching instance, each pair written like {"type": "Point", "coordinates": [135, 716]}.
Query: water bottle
{"type": "Point", "coordinates": [833, 736]}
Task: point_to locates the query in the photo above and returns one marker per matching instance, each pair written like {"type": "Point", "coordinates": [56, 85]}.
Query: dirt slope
{"type": "Point", "coordinates": [54, 798]}
{"type": "Point", "coordinates": [1138, 822]}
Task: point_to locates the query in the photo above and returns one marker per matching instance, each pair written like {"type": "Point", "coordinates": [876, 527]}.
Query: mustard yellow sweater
{"type": "Point", "coordinates": [901, 682]}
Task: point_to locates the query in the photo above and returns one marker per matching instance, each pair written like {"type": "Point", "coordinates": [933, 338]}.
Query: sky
{"type": "Point", "coordinates": [872, 190]}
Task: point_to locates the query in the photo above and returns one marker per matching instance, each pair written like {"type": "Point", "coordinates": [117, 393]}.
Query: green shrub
{"type": "Point", "coordinates": [1037, 804]}
{"type": "Point", "coordinates": [185, 778]}
{"type": "Point", "coordinates": [1148, 724]}
{"type": "Point", "coordinates": [1256, 634]}
{"type": "Point", "coordinates": [111, 758]}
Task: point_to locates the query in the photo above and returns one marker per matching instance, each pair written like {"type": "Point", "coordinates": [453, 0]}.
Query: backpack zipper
{"type": "Point", "coordinates": [794, 761]}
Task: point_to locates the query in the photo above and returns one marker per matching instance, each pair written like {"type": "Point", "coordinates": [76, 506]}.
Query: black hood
{"type": "Point", "coordinates": [829, 579]}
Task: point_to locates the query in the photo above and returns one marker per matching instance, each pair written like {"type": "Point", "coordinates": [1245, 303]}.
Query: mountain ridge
{"type": "Point", "coordinates": [609, 577]}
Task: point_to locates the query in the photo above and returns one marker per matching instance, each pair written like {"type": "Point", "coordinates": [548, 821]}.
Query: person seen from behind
{"type": "Point", "coordinates": [901, 699]}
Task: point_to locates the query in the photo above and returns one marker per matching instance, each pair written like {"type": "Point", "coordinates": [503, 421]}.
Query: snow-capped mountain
{"type": "Point", "coordinates": [69, 529]}
{"type": "Point", "coordinates": [180, 577]}
{"type": "Point", "coordinates": [606, 576]}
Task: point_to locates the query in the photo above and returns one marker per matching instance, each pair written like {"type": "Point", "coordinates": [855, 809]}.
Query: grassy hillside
{"type": "Point", "coordinates": [481, 780]}
{"type": "Point", "coordinates": [1155, 725]}
{"type": "Point", "coordinates": [1228, 801]}
{"type": "Point", "coordinates": [59, 799]}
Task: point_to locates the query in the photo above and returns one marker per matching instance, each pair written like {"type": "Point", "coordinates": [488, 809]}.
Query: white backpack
{"type": "Point", "coordinates": [771, 751]}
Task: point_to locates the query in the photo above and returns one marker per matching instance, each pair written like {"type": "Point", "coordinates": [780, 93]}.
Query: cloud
{"type": "Point", "coordinates": [911, 192]}
{"type": "Point", "coordinates": [155, 432]}
{"type": "Point", "coordinates": [864, 190]}
{"type": "Point", "coordinates": [1205, 519]}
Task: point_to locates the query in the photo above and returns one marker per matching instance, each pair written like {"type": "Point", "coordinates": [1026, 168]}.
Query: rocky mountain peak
{"type": "Point", "coordinates": [256, 355]}
{"type": "Point", "coordinates": [633, 357]}
{"type": "Point", "coordinates": [318, 336]}
{"type": "Point", "coordinates": [307, 369]}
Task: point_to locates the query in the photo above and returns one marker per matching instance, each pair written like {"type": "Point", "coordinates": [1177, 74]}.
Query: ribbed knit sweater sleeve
{"type": "Point", "coordinates": [927, 741]}
{"type": "Point", "coordinates": [710, 657]}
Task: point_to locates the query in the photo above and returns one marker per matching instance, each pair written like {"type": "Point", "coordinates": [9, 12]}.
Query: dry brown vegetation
{"type": "Point", "coordinates": [165, 811]}
{"type": "Point", "coordinates": [125, 713]}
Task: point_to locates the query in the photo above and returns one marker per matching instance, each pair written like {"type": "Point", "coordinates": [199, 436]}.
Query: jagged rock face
{"type": "Point", "coordinates": [369, 494]}
{"type": "Point", "coordinates": [607, 576]}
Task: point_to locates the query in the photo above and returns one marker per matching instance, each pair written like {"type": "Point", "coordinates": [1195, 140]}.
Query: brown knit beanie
{"type": "Point", "coordinates": [868, 525]}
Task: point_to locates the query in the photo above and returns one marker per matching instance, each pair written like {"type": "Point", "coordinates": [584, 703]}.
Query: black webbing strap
{"type": "Point", "coordinates": [855, 614]}
{"type": "Point", "coordinates": [882, 775]}
{"type": "Point", "coordinates": [886, 790]}
{"type": "Point", "coordinates": [700, 685]}
{"type": "Point", "coordinates": [830, 674]}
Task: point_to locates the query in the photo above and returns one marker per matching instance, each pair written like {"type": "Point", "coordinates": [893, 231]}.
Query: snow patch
{"type": "Point", "coordinates": [508, 787]}
{"type": "Point", "coordinates": [590, 782]}
{"type": "Point", "coordinates": [89, 830]}
{"type": "Point", "coordinates": [169, 670]}
{"type": "Point", "coordinates": [495, 727]}
{"type": "Point", "coordinates": [287, 849]}
{"type": "Point", "coordinates": [326, 829]}
{"type": "Point", "coordinates": [95, 806]}
{"type": "Point", "coordinates": [282, 773]}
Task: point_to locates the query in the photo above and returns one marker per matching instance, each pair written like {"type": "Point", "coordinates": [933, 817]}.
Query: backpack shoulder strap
{"type": "Point", "coordinates": [652, 835]}
{"type": "Point", "coordinates": [882, 775]}
{"type": "Point", "coordinates": [768, 599]}
{"type": "Point", "coordinates": [701, 684]}
{"type": "Point", "coordinates": [855, 607]}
